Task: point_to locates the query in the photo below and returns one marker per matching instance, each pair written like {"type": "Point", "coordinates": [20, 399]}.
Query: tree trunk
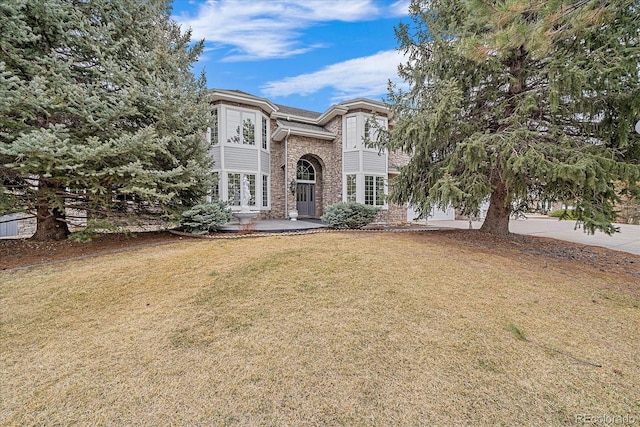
{"type": "Point", "coordinates": [497, 220]}
{"type": "Point", "coordinates": [51, 224]}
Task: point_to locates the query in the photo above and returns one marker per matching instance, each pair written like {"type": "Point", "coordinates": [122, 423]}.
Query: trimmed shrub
{"type": "Point", "coordinates": [349, 215]}
{"type": "Point", "coordinates": [205, 218]}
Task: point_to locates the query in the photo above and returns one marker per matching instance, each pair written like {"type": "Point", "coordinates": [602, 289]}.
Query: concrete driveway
{"type": "Point", "coordinates": [627, 240]}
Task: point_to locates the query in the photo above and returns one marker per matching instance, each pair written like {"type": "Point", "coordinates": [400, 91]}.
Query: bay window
{"type": "Point", "coordinates": [241, 128]}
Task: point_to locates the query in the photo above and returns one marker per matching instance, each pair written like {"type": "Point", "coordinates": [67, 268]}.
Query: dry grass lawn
{"type": "Point", "coordinates": [325, 329]}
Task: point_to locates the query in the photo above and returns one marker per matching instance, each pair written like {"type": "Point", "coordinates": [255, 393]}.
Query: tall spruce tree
{"type": "Point", "coordinates": [99, 111]}
{"type": "Point", "coordinates": [519, 101]}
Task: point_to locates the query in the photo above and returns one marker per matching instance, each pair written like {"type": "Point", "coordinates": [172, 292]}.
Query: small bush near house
{"type": "Point", "coordinates": [349, 215]}
{"type": "Point", "coordinates": [563, 214]}
{"type": "Point", "coordinates": [202, 219]}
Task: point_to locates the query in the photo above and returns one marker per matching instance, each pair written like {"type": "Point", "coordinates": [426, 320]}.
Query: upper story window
{"type": "Point", "coordinates": [214, 127]}
{"type": "Point", "coordinates": [264, 134]}
{"type": "Point", "coordinates": [241, 127]}
{"type": "Point", "coordinates": [372, 128]}
{"type": "Point", "coordinates": [351, 133]}
{"type": "Point", "coordinates": [212, 130]}
{"type": "Point", "coordinates": [362, 127]}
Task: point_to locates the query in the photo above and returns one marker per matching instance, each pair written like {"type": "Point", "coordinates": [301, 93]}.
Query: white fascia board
{"type": "Point", "coordinates": [367, 104]}
{"type": "Point", "coordinates": [321, 120]}
{"type": "Point", "coordinates": [281, 132]}
{"type": "Point", "coordinates": [231, 96]}
{"type": "Point", "coordinates": [335, 110]}
{"type": "Point", "coordinates": [313, 134]}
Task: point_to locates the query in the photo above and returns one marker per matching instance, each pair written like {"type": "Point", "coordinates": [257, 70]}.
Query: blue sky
{"type": "Point", "coordinates": [308, 54]}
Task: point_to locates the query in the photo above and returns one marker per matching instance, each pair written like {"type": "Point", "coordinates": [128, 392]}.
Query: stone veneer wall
{"type": "Point", "coordinates": [395, 214]}
{"type": "Point", "coordinates": [27, 225]}
{"type": "Point", "coordinates": [330, 160]}
{"type": "Point", "coordinates": [398, 158]}
{"type": "Point", "coordinates": [326, 154]}
{"type": "Point", "coordinates": [278, 187]}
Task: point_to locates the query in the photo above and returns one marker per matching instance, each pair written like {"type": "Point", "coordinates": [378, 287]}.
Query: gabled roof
{"type": "Point", "coordinates": [280, 111]}
{"type": "Point", "coordinates": [298, 121]}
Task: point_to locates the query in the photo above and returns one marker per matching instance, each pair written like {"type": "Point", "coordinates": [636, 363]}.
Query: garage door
{"type": "Point", "coordinates": [435, 215]}
{"type": "Point", "coordinates": [8, 225]}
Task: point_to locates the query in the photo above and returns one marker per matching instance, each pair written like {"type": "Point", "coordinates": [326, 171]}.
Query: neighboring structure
{"type": "Point", "coordinates": [17, 225]}
{"type": "Point", "coordinates": [301, 160]}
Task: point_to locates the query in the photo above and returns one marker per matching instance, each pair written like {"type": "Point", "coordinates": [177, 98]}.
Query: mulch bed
{"type": "Point", "coordinates": [602, 259]}
{"type": "Point", "coordinates": [15, 253]}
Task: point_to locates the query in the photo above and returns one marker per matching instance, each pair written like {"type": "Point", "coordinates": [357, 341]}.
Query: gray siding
{"type": "Point", "coordinates": [374, 163]}
{"type": "Point", "coordinates": [8, 225]}
{"type": "Point", "coordinates": [351, 161]}
{"type": "Point", "coordinates": [215, 155]}
{"type": "Point", "coordinates": [264, 162]}
{"type": "Point", "coordinates": [236, 158]}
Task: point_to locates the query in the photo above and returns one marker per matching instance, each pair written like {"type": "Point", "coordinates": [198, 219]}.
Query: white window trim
{"type": "Point", "coordinates": [223, 139]}
{"type": "Point", "coordinates": [375, 194]}
{"type": "Point", "coordinates": [360, 190]}
{"type": "Point", "coordinates": [358, 133]}
{"type": "Point", "coordinates": [263, 132]}
{"type": "Point", "coordinates": [209, 196]}
{"type": "Point", "coordinates": [268, 205]}
{"type": "Point", "coordinates": [210, 131]}
{"type": "Point", "coordinates": [307, 181]}
{"type": "Point", "coordinates": [361, 119]}
{"type": "Point", "coordinates": [223, 188]}
{"type": "Point", "coordinates": [345, 192]}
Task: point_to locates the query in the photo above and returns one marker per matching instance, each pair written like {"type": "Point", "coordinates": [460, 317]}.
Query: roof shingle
{"type": "Point", "coordinates": [297, 111]}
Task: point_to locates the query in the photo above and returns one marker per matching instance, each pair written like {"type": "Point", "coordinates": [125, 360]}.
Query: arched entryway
{"type": "Point", "coordinates": [306, 188]}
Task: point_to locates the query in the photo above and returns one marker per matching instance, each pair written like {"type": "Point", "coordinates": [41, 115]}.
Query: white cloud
{"type": "Point", "coordinates": [400, 8]}
{"type": "Point", "coordinates": [262, 29]}
{"type": "Point", "coordinates": [360, 77]}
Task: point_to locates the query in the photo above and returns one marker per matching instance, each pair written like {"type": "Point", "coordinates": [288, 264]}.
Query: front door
{"type": "Point", "coordinates": [305, 198]}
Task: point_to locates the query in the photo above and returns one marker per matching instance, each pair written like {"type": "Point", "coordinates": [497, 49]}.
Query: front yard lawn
{"type": "Point", "coordinates": [323, 329]}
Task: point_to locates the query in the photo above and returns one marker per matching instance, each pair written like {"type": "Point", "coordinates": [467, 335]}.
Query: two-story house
{"type": "Point", "coordinates": [300, 160]}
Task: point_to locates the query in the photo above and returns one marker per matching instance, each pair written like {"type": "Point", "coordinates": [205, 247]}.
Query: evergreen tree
{"type": "Point", "coordinates": [99, 111]}
{"type": "Point", "coordinates": [519, 101]}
